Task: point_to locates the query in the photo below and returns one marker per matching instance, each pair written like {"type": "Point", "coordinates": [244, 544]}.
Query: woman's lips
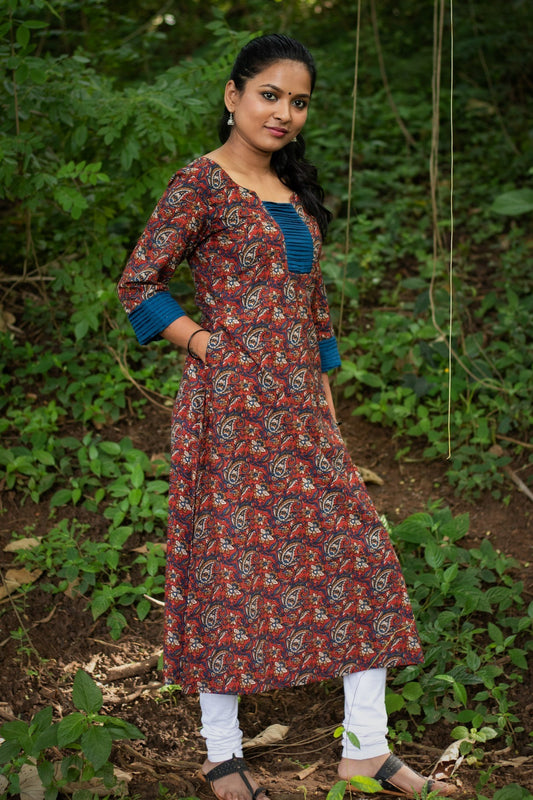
{"type": "Point", "coordinates": [279, 132]}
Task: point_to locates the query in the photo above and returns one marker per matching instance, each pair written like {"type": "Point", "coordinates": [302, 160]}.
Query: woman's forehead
{"type": "Point", "coordinates": [287, 75]}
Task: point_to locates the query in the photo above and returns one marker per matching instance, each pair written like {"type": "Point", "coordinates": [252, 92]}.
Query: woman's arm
{"type": "Point", "coordinates": [175, 227]}
{"type": "Point", "coordinates": [180, 331]}
{"type": "Point", "coordinates": [329, 396]}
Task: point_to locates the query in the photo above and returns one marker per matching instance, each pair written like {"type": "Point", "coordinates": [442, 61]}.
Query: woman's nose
{"type": "Point", "coordinates": [283, 110]}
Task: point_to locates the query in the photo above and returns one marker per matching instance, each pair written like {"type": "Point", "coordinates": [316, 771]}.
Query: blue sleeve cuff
{"type": "Point", "coordinates": [154, 315]}
{"type": "Point", "coordinates": [329, 354]}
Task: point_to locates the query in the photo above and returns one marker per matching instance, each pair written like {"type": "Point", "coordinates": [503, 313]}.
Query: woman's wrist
{"type": "Point", "coordinates": [197, 344]}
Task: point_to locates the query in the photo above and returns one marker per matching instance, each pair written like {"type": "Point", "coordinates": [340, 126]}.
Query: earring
{"type": "Point", "coordinates": [231, 121]}
{"type": "Point", "coordinates": [295, 139]}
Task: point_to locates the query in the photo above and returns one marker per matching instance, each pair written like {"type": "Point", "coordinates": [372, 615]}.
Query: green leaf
{"type": "Point", "coordinates": [46, 772]}
{"type": "Point", "coordinates": [42, 719]}
{"type": "Point", "coordinates": [96, 745]}
{"type": "Point", "coordinates": [353, 739]}
{"type": "Point", "coordinates": [23, 35]}
{"type": "Point", "coordinates": [17, 730]}
{"type": "Point", "coordinates": [116, 623]}
{"type": "Point", "coordinates": [71, 728]}
{"type": "Point", "coordinates": [99, 604]}
{"type": "Point", "coordinates": [434, 555]}
{"type": "Point", "coordinates": [8, 751]}
{"type": "Point", "coordinates": [495, 633]}
{"type": "Point", "coordinates": [518, 657]}
{"type": "Point", "coordinates": [460, 732]}
{"type": "Point", "coordinates": [412, 691]}
{"type": "Point", "coordinates": [518, 201]}
{"type": "Point", "coordinates": [81, 328]}
{"type": "Point", "coordinates": [450, 573]}
{"type": "Point", "coordinates": [44, 457]}
{"type": "Point", "coordinates": [86, 695]}
{"type": "Point", "coordinates": [337, 792]}
{"type": "Point", "coordinates": [513, 792]}
{"type": "Point", "coordinates": [111, 448]}
{"type": "Point", "coordinates": [394, 702]}
{"type": "Point", "coordinates": [446, 678]}
{"type": "Point", "coordinates": [21, 73]}
{"type": "Point", "coordinates": [119, 536]}
{"type": "Point", "coordinates": [46, 738]}
{"type": "Point", "coordinates": [488, 733]}
{"type": "Point", "coordinates": [414, 529]}
{"type": "Point", "coordinates": [35, 23]}
{"type": "Point", "coordinates": [337, 733]}
{"type": "Point", "coordinates": [137, 476]}
{"type": "Point", "coordinates": [61, 498]}
{"type": "Point", "coordinates": [364, 784]}
{"type": "Point", "coordinates": [459, 692]}
{"type": "Point", "coordinates": [135, 497]}
{"type": "Point", "coordinates": [473, 661]}
{"type": "Point", "coordinates": [119, 728]}
{"type": "Point", "coordinates": [143, 608]}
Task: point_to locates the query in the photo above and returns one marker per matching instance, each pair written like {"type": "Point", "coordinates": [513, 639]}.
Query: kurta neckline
{"type": "Point", "coordinates": [292, 200]}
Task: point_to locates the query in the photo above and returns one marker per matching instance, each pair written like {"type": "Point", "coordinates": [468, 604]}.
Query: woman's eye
{"type": "Point", "coordinates": [300, 103]}
{"type": "Point", "coordinates": [269, 96]}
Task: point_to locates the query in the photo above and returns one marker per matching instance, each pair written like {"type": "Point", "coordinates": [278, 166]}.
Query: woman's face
{"type": "Point", "coordinates": [272, 108]}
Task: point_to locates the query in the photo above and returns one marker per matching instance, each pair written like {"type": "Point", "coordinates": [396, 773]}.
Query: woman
{"type": "Point", "coordinates": [278, 569]}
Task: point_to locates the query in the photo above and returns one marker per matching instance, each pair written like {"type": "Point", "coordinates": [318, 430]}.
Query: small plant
{"type": "Point", "coordinates": [97, 570]}
{"type": "Point", "coordinates": [86, 733]}
{"type": "Point", "coordinates": [360, 782]}
{"type": "Point", "coordinates": [473, 624]}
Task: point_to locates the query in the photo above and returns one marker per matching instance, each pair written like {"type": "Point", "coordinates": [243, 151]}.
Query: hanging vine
{"type": "Point", "coordinates": [350, 170]}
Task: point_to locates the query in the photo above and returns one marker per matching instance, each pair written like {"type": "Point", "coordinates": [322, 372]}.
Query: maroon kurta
{"type": "Point", "coordinates": [279, 571]}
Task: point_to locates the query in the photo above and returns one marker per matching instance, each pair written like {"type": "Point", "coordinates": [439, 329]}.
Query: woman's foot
{"type": "Point", "coordinates": [232, 786]}
{"type": "Point", "coordinates": [405, 779]}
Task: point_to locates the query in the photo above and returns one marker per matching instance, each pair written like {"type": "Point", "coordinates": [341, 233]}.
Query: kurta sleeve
{"type": "Point", "coordinates": [176, 226]}
{"type": "Point", "coordinates": [327, 343]}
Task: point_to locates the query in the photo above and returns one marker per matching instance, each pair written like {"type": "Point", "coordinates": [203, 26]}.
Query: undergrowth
{"type": "Point", "coordinates": [473, 619]}
{"type": "Point", "coordinates": [77, 189]}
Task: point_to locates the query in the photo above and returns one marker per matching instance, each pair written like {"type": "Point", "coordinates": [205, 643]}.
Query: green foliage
{"type": "Point", "coordinates": [397, 369]}
{"type": "Point", "coordinates": [511, 792]}
{"type": "Point", "coordinates": [519, 201]}
{"type": "Point", "coordinates": [474, 628]}
{"type": "Point", "coordinates": [101, 104]}
{"type": "Point", "coordinates": [86, 733]}
{"type": "Point", "coordinates": [117, 115]}
{"type": "Point", "coordinates": [94, 569]}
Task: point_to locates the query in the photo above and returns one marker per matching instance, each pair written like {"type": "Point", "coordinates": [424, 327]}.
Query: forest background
{"type": "Point", "coordinates": [429, 272]}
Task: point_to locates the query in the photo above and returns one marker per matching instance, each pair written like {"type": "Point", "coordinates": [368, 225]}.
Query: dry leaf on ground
{"type": "Point", "coordinates": [15, 578]}
{"type": "Point", "coordinates": [27, 543]}
{"type": "Point", "coordinates": [271, 735]}
{"type": "Point", "coordinates": [449, 761]}
{"type": "Point", "coordinates": [369, 476]}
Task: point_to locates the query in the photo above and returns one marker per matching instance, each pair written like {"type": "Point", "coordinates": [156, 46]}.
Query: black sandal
{"type": "Point", "coordinates": [230, 768]}
{"type": "Point", "coordinates": [389, 768]}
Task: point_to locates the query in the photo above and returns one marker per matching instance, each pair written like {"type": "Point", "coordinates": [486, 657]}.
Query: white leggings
{"type": "Point", "coordinates": [364, 716]}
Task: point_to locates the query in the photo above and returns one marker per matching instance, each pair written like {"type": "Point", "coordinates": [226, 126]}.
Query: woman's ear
{"type": "Point", "coordinates": [231, 94]}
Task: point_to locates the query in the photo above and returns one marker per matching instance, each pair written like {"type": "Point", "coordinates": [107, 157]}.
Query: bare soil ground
{"type": "Point", "coordinates": [64, 635]}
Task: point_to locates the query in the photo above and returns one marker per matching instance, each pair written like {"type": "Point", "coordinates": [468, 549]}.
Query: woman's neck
{"type": "Point", "coordinates": [251, 169]}
{"type": "Point", "coordinates": [244, 159]}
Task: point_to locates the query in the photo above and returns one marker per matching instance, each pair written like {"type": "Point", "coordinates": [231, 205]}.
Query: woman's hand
{"type": "Point", "coordinates": [199, 344]}
{"type": "Point", "coordinates": [184, 332]}
{"type": "Point", "coordinates": [329, 396]}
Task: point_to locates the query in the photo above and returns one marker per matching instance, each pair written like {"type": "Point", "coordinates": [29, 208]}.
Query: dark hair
{"type": "Point", "coordinates": [292, 168]}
